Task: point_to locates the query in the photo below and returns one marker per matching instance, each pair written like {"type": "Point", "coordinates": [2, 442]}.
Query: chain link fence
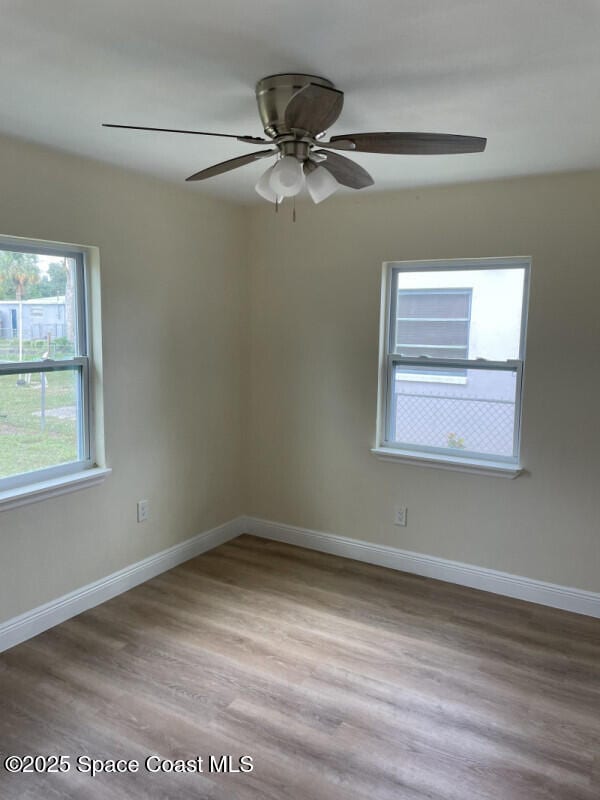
{"type": "Point", "coordinates": [478, 424]}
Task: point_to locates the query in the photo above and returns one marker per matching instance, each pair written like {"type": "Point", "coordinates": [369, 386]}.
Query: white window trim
{"type": "Point", "coordinates": [60, 479]}
{"type": "Point", "coordinates": [43, 490]}
{"type": "Point", "coordinates": [390, 451]}
{"type": "Point", "coordinates": [455, 463]}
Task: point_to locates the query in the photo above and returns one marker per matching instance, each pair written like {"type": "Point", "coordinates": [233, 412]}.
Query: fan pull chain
{"type": "Point", "coordinates": [276, 205]}
{"type": "Point", "coordinates": [294, 211]}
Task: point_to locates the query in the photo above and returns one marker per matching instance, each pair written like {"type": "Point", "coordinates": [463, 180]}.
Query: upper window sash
{"type": "Point", "coordinates": [81, 339]}
{"type": "Point", "coordinates": [392, 268]}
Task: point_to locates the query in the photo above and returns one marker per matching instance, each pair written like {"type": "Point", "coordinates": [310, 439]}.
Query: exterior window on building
{"type": "Point", "coordinates": [433, 323]}
{"type": "Point", "coordinates": [452, 359]}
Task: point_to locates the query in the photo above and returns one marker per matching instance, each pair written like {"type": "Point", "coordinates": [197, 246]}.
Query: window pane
{"type": "Point", "coordinates": [478, 309]}
{"type": "Point", "coordinates": [475, 413]}
{"type": "Point", "coordinates": [38, 311]}
{"type": "Point", "coordinates": [40, 416]}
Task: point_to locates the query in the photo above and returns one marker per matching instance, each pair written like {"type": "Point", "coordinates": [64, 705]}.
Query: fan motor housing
{"type": "Point", "coordinates": [274, 92]}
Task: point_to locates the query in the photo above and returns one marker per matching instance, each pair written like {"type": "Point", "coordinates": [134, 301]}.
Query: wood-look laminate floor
{"type": "Point", "coordinates": [343, 681]}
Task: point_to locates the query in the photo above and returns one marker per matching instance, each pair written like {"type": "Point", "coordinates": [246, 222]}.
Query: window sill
{"type": "Point", "coordinates": [35, 492]}
{"type": "Point", "coordinates": [496, 468]}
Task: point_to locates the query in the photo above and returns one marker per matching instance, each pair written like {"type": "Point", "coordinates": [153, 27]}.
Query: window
{"type": "Point", "coordinates": [452, 356]}
{"type": "Point", "coordinates": [45, 392]}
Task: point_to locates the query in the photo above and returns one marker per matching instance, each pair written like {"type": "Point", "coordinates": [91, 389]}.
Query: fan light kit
{"type": "Point", "coordinates": [296, 111]}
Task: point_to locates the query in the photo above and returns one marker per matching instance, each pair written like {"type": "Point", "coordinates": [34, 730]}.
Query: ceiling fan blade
{"type": "Point", "coordinates": [411, 143]}
{"type": "Point", "coordinates": [232, 163]}
{"type": "Point", "coordinates": [345, 171]}
{"type": "Point", "coordinates": [314, 108]}
{"type": "Point", "coordinates": [341, 144]}
{"type": "Point", "coordinates": [248, 139]}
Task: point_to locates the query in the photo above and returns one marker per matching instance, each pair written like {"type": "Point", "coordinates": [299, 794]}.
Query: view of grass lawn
{"type": "Point", "coordinates": [27, 442]}
{"type": "Point", "coordinates": [39, 414]}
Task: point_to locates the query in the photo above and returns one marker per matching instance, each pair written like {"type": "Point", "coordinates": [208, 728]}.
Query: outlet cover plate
{"type": "Point", "coordinates": [400, 514]}
{"type": "Point", "coordinates": [142, 510]}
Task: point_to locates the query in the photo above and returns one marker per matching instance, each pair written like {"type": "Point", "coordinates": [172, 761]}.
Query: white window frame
{"type": "Point", "coordinates": [32, 486]}
{"type": "Point", "coordinates": [385, 448]}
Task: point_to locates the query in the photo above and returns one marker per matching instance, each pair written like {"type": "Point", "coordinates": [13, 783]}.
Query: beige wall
{"type": "Point", "coordinates": [208, 416]}
{"type": "Point", "coordinates": [315, 292]}
{"type": "Point", "coordinates": [173, 303]}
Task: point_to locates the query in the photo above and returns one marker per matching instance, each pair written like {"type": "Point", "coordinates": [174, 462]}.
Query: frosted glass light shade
{"type": "Point", "coordinates": [321, 184]}
{"type": "Point", "coordinates": [287, 177]}
{"type": "Point", "coordinates": [263, 187]}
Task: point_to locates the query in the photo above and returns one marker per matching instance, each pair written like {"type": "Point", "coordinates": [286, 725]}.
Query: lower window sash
{"type": "Point", "coordinates": [477, 417]}
{"type": "Point", "coordinates": [44, 421]}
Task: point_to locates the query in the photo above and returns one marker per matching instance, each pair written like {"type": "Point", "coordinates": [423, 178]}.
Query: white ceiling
{"type": "Point", "coordinates": [524, 73]}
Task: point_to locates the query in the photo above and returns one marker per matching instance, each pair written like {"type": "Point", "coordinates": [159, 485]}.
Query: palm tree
{"type": "Point", "coordinates": [17, 272]}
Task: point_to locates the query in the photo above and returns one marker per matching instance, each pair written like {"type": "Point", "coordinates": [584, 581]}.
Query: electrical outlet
{"type": "Point", "coordinates": [142, 510]}
{"type": "Point", "coordinates": [400, 516]}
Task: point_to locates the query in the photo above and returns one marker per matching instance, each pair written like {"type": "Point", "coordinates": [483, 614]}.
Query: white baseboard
{"type": "Point", "coordinates": [489, 580]}
{"type": "Point", "coordinates": [18, 629]}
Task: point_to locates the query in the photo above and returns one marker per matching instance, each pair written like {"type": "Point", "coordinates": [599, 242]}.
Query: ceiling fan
{"type": "Point", "coordinates": [295, 111]}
